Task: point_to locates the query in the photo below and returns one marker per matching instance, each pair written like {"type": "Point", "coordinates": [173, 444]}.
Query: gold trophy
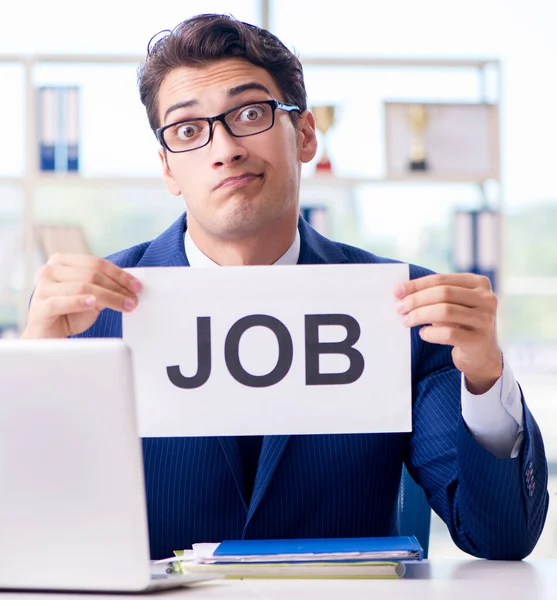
{"type": "Point", "coordinates": [418, 117]}
{"type": "Point", "coordinates": [324, 119]}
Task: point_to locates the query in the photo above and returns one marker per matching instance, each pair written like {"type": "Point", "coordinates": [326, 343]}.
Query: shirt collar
{"type": "Point", "coordinates": [196, 258]}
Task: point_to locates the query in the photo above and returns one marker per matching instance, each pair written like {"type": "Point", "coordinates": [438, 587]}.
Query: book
{"type": "Point", "coordinates": [325, 557]}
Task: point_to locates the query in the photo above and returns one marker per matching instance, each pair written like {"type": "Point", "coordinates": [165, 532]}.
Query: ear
{"type": "Point", "coordinates": [169, 180]}
{"type": "Point", "coordinates": [307, 140]}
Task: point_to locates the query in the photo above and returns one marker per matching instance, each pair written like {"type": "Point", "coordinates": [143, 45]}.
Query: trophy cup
{"type": "Point", "coordinates": [418, 117]}
{"type": "Point", "coordinates": [324, 118]}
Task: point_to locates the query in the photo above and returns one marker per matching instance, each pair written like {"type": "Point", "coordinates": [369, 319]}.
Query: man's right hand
{"type": "Point", "coordinates": [71, 291]}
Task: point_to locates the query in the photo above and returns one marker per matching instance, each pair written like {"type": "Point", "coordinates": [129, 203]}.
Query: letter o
{"type": "Point", "coordinates": [232, 356]}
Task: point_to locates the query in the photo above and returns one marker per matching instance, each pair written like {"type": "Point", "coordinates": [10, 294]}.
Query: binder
{"type": "Point", "coordinates": [48, 127]}
{"type": "Point", "coordinates": [338, 549]}
{"type": "Point", "coordinates": [61, 147]}
{"type": "Point", "coordinates": [58, 121]}
{"type": "Point", "coordinates": [72, 128]}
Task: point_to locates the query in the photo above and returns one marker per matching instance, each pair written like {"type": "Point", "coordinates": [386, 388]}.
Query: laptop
{"type": "Point", "coordinates": [72, 495]}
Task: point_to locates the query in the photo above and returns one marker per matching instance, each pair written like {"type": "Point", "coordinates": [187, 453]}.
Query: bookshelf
{"type": "Point", "coordinates": [32, 180]}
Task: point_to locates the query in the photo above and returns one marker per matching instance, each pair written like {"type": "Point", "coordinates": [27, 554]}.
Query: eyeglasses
{"type": "Point", "coordinates": [241, 121]}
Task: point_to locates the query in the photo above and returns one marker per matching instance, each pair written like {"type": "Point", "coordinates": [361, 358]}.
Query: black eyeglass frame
{"type": "Point", "coordinates": [274, 104]}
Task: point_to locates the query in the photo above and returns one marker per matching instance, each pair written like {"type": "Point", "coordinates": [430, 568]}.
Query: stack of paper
{"type": "Point", "coordinates": [323, 558]}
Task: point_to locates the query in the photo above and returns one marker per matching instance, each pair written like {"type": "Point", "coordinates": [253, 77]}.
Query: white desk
{"type": "Point", "coordinates": [430, 580]}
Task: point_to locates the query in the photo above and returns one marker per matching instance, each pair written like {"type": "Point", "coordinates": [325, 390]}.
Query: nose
{"type": "Point", "coordinates": [225, 148]}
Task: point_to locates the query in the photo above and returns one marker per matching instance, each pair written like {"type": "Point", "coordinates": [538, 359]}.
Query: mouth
{"type": "Point", "coordinates": [238, 180]}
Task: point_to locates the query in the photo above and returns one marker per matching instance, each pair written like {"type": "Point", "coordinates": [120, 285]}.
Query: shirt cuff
{"type": "Point", "coordinates": [496, 418]}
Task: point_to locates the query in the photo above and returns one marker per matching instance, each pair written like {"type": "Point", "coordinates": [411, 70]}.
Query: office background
{"type": "Point", "coordinates": [117, 198]}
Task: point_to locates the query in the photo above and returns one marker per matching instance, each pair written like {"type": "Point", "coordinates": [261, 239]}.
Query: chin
{"type": "Point", "coordinates": [243, 223]}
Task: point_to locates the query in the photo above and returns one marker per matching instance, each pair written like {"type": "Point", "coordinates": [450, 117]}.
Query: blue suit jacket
{"type": "Point", "coordinates": [341, 485]}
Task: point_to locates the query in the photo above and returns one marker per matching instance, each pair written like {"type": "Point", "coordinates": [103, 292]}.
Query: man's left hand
{"type": "Point", "coordinates": [458, 309]}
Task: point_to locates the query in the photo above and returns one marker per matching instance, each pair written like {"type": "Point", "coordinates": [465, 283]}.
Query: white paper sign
{"type": "Point", "coordinates": [283, 350]}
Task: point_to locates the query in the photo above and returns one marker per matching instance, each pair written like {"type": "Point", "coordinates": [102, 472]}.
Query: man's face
{"type": "Point", "coordinates": [234, 187]}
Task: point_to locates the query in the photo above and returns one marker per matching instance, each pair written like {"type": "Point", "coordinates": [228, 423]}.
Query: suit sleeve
{"type": "Point", "coordinates": [494, 507]}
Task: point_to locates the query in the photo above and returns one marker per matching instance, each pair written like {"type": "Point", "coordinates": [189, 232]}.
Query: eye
{"type": "Point", "coordinates": [187, 131]}
{"type": "Point", "coordinates": [251, 114]}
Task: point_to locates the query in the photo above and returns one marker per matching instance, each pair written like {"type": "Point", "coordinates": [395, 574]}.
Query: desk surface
{"type": "Point", "coordinates": [430, 580]}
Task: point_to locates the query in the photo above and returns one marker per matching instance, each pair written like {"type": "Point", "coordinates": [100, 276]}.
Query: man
{"type": "Point", "coordinates": [474, 448]}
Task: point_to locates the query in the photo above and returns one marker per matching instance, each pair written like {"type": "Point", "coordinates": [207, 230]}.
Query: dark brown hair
{"type": "Point", "coordinates": [204, 39]}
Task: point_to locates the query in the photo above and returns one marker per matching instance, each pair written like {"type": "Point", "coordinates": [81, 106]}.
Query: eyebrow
{"type": "Point", "coordinates": [232, 92]}
{"type": "Point", "coordinates": [244, 87]}
{"type": "Point", "coordinates": [178, 105]}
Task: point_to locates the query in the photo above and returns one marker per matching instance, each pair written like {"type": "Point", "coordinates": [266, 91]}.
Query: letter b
{"type": "Point", "coordinates": [314, 348]}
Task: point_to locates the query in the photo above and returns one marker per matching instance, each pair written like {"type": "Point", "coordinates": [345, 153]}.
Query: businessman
{"type": "Point", "coordinates": [227, 103]}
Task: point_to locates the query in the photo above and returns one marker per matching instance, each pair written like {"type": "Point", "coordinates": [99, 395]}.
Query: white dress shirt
{"type": "Point", "coordinates": [495, 418]}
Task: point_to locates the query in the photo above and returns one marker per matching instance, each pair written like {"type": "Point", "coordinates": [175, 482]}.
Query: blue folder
{"type": "Point", "coordinates": [389, 547]}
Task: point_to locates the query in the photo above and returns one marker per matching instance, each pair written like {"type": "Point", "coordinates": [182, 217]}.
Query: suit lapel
{"type": "Point", "coordinates": [272, 450]}
{"type": "Point", "coordinates": [168, 249]}
{"type": "Point", "coordinates": [232, 453]}
{"type": "Point", "coordinates": [316, 249]}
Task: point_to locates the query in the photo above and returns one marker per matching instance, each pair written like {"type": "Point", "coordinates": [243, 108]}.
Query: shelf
{"type": "Point", "coordinates": [71, 58]}
{"type": "Point", "coordinates": [320, 61]}
{"type": "Point", "coordinates": [33, 182]}
{"type": "Point", "coordinates": [57, 178]}
{"type": "Point", "coordinates": [338, 61]}
{"type": "Point", "coordinates": [72, 178]}
{"type": "Point", "coordinates": [410, 178]}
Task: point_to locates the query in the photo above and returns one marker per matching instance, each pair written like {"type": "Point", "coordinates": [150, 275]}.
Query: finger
{"type": "Point", "coordinates": [466, 280]}
{"type": "Point", "coordinates": [57, 306]}
{"type": "Point", "coordinates": [63, 273]}
{"type": "Point", "coordinates": [446, 314]}
{"type": "Point", "coordinates": [447, 335]}
{"type": "Point", "coordinates": [100, 265]}
{"type": "Point", "coordinates": [447, 294]}
{"type": "Point", "coordinates": [103, 298]}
